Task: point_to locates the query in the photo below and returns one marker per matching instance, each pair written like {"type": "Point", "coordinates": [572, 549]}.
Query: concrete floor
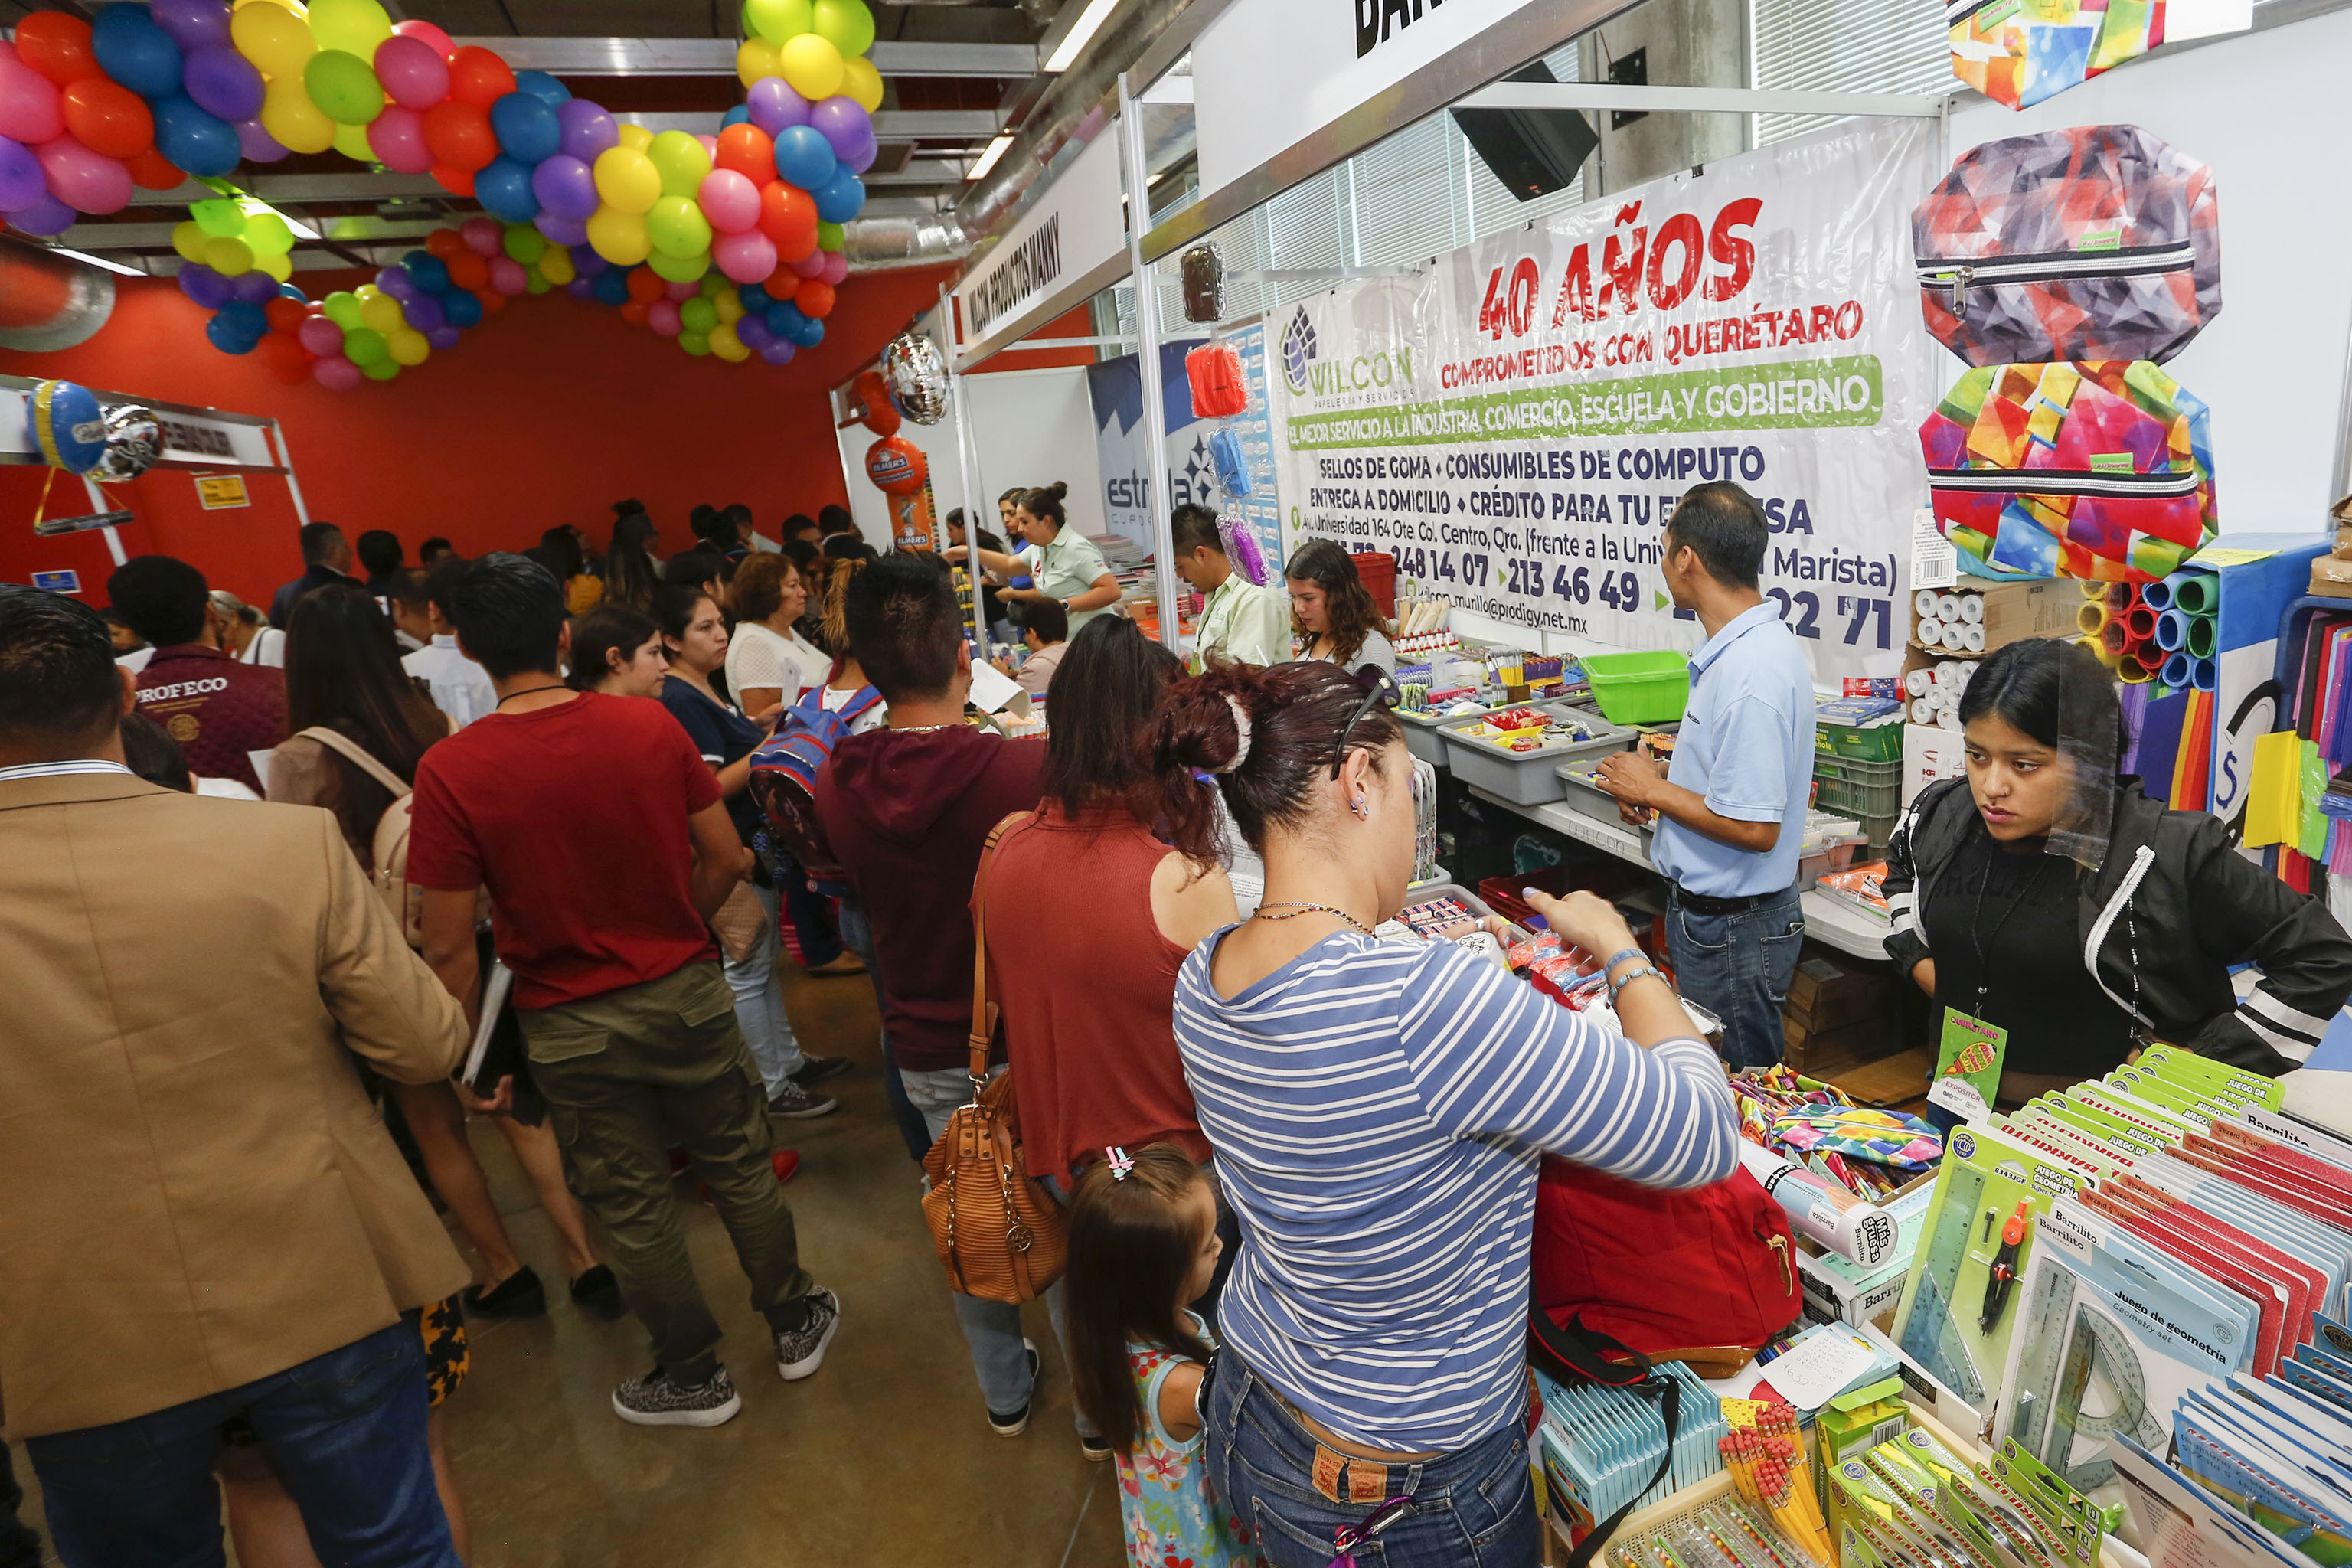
{"type": "Point", "coordinates": [885, 1456]}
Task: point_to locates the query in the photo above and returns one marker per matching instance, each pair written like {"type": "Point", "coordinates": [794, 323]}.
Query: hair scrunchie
{"type": "Point", "coordinates": [1242, 725]}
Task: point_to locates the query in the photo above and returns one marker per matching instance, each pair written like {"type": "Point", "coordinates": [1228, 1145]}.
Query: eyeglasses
{"type": "Point", "coordinates": [1384, 694]}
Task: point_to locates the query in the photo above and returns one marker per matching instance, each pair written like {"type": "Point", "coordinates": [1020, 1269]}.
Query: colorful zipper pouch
{"type": "Point", "coordinates": [2019, 52]}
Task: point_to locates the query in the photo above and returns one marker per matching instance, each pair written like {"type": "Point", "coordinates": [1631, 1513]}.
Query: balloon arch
{"type": "Point", "coordinates": [729, 243]}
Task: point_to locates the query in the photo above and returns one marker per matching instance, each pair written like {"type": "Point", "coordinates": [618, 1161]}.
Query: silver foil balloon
{"type": "Point", "coordinates": [918, 375]}
{"type": "Point", "coordinates": [134, 441]}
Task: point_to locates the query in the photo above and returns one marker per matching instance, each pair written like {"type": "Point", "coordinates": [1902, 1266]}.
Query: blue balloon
{"type": "Point", "coordinates": [811, 333]}
{"type": "Point", "coordinates": [135, 52]}
{"type": "Point", "coordinates": [839, 199]}
{"type": "Point", "coordinates": [527, 130]}
{"type": "Point", "coordinates": [804, 157]}
{"type": "Point", "coordinates": [611, 287]}
{"type": "Point", "coordinates": [427, 271]}
{"type": "Point", "coordinates": [739, 115]}
{"type": "Point", "coordinates": [250, 319]}
{"type": "Point", "coordinates": [287, 291]}
{"type": "Point", "coordinates": [784, 320]}
{"type": "Point", "coordinates": [71, 408]}
{"type": "Point", "coordinates": [754, 299]}
{"type": "Point", "coordinates": [542, 86]}
{"type": "Point", "coordinates": [194, 141]}
{"type": "Point", "coordinates": [504, 189]}
{"type": "Point", "coordinates": [228, 331]}
{"type": "Point", "coordinates": [462, 308]}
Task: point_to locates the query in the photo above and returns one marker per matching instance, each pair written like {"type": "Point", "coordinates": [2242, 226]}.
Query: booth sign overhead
{"type": "Point", "coordinates": [1071, 241]}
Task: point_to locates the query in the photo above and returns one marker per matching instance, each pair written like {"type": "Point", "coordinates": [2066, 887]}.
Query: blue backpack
{"type": "Point", "coordinates": [783, 778]}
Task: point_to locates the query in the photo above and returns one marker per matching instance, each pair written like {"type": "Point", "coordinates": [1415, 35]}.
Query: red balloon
{"type": "Point", "coordinates": [56, 44]}
{"type": "Point", "coordinates": [287, 360]}
{"type": "Point", "coordinates": [633, 312]}
{"type": "Point", "coordinates": [459, 135]}
{"type": "Point", "coordinates": [783, 283]}
{"type": "Point", "coordinates": [750, 151]}
{"type": "Point", "coordinates": [479, 78]}
{"type": "Point", "coordinates": [445, 243]}
{"type": "Point", "coordinates": [468, 271]}
{"type": "Point", "coordinates": [151, 171]}
{"type": "Point", "coordinates": [814, 298]}
{"type": "Point", "coordinates": [456, 182]}
{"type": "Point", "coordinates": [427, 33]}
{"type": "Point", "coordinates": [645, 285]}
{"type": "Point", "coordinates": [106, 118]}
{"type": "Point", "coordinates": [284, 315]}
{"type": "Point", "coordinates": [492, 300]}
{"type": "Point", "coordinates": [895, 466]}
{"type": "Point", "coordinates": [788, 217]}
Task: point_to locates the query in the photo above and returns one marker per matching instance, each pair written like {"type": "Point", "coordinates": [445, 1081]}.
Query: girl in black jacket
{"type": "Point", "coordinates": [2084, 963]}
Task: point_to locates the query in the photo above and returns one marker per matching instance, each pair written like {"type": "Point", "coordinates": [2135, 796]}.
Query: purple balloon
{"type": "Point", "coordinates": [45, 216]}
{"type": "Point", "coordinates": [587, 263]}
{"type": "Point", "coordinates": [863, 159]}
{"type": "Point", "coordinates": [207, 288]}
{"type": "Point", "coordinates": [192, 24]}
{"type": "Point", "coordinates": [580, 288]}
{"type": "Point", "coordinates": [444, 336]}
{"type": "Point", "coordinates": [563, 231]}
{"type": "Point", "coordinates": [321, 336]}
{"type": "Point", "coordinates": [842, 121]}
{"type": "Point", "coordinates": [257, 143]}
{"type": "Point", "coordinates": [753, 331]}
{"type": "Point", "coordinates": [777, 352]}
{"type": "Point", "coordinates": [395, 281]}
{"type": "Point", "coordinates": [587, 130]}
{"type": "Point", "coordinates": [224, 83]}
{"type": "Point", "coordinates": [254, 287]}
{"type": "Point", "coordinates": [423, 313]}
{"type": "Point", "coordinates": [565, 186]}
{"type": "Point", "coordinates": [20, 176]}
{"type": "Point", "coordinates": [775, 107]}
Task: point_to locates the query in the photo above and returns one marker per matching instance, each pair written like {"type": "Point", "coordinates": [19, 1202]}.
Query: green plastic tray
{"type": "Point", "coordinates": [1639, 688]}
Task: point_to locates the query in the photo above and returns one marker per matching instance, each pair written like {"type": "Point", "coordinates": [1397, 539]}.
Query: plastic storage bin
{"type": "Point", "coordinates": [1420, 733]}
{"type": "Point", "coordinates": [1585, 797]}
{"type": "Point", "coordinates": [1858, 789]}
{"type": "Point", "coordinates": [1639, 688]}
{"type": "Point", "coordinates": [1526, 778]}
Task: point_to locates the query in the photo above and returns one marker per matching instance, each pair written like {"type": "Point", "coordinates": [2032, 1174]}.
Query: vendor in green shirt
{"type": "Point", "coordinates": [1242, 622]}
{"type": "Point", "coordinates": [1060, 563]}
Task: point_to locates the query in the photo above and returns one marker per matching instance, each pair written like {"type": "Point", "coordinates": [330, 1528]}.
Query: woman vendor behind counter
{"type": "Point", "coordinates": [2047, 896]}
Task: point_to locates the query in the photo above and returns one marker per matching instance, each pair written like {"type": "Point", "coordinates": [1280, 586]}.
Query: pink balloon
{"type": "Point", "coordinates": [730, 202]}
{"type": "Point", "coordinates": [337, 373]}
{"type": "Point", "coordinates": [507, 275]}
{"type": "Point", "coordinates": [427, 33]}
{"type": "Point", "coordinates": [483, 235]}
{"type": "Point", "coordinates": [321, 336]}
{"type": "Point", "coordinates": [29, 110]}
{"type": "Point", "coordinates": [85, 181]}
{"type": "Point", "coordinates": [709, 144]}
{"type": "Point", "coordinates": [396, 137]}
{"type": "Point", "coordinates": [413, 73]}
{"type": "Point", "coordinates": [682, 292]}
{"type": "Point", "coordinates": [745, 257]}
{"type": "Point", "coordinates": [811, 265]}
{"type": "Point", "coordinates": [836, 268]}
{"type": "Point", "coordinates": [662, 317]}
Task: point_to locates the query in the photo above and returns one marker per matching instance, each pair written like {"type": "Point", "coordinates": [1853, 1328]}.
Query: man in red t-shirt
{"type": "Point", "coordinates": [218, 709]}
{"type": "Point", "coordinates": [600, 834]}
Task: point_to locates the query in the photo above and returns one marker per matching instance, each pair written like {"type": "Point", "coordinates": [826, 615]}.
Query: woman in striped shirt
{"type": "Point", "coordinates": [1378, 1110]}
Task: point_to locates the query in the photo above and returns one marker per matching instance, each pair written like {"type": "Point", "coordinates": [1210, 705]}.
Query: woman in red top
{"type": "Point", "coordinates": [1089, 916]}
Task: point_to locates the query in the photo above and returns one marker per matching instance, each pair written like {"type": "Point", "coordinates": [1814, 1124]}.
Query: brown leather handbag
{"type": "Point", "coordinates": [1000, 1235]}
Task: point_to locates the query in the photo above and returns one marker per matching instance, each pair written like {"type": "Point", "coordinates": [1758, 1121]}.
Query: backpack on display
{"type": "Point", "coordinates": [2019, 52]}
{"type": "Point", "coordinates": [1219, 389]}
{"type": "Point", "coordinates": [2098, 243]}
{"type": "Point", "coordinates": [389, 864]}
{"type": "Point", "coordinates": [783, 776]}
{"type": "Point", "coordinates": [2099, 470]}
{"type": "Point", "coordinates": [1230, 463]}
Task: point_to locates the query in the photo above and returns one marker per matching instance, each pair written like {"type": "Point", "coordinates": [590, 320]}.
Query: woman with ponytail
{"type": "Point", "coordinates": [1061, 562]}
{"type": "Point", "coordinates": [1377, 1109]}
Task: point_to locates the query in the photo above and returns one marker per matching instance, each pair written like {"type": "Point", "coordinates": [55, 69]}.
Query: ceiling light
{"type": "Point", "coordinates": [988, 159]}
{"type": "Point", "coordinates": [1090, 22]}
{"type": "Point", "coordinates": [299, 230]}
{"type": "Point", "coordinates": [100, 261]}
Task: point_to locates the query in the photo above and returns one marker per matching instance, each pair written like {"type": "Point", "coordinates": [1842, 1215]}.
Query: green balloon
{"type": "Point", "coordinates": [384, 369]}
{"type": "Point", "coordinates": [363, 346]}
{"type": "Point", "coordinates": [525, 244]}
{"type": "Point", "coordinates": [221, 217]}
{"type": "Point", "coordinates": [268, 235]}
{"type": "Point", "coordinates": [343, 308]}
{"type": "Point", "coordinates": [677, 226]}
{"type": "Point", "coordinates": [343, 88]}
{"type": "Point", "coordinates": [831, 236]}
{"type": "Point", "coordinates": [536, 280]}
{"type": "Point", "coordinates": [682, 164]}
{"type": "Point", "coordinates": [847, 24]}
{"type": "Point", "coordinates": [698, 314]}
{"type": "Point", "coordinates": [679, 269]}
{"type": "Point", "coordinates": [692, 342]}
{"type": "Point", "coordinates": [776, 20]}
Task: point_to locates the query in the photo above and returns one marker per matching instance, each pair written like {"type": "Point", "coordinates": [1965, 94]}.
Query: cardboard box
{"type": "Point", "coordinates": [2043, 607]}
{"type": "Point", "coordinates": [1820, 1053]}
{"type": "Point", "coordinates": [1823, 994]}
{"type": "Point", "coordinates": [1930, 752]}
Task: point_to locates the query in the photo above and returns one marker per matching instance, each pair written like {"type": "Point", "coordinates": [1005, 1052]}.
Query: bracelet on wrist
{"type": "Point", "coordinates": [1632, 975]}
{"type": "Point", "coordinates": [1620, 956]}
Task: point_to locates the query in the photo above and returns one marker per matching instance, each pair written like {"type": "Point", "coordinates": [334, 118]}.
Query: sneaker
{"type": "Point", "coordinates": [798, 1103]}
{"type": "Point", "coordinates": [800, 1353]}
{"type": "Point", "coordinates": [654, 1400]}
{"type": "Point", "coordinates": [1012, 1424]}
{"type": "Point", "coordinates": [843, 963]}
{"type": "Point", "coordinates": [597, 1291]}
{"type": "Point", "coordinates": [816, 1070]}
{"type": "Point", "coordinates": [518, 1295]}
{"type": "Point", "coordinates": [1093, 1451]}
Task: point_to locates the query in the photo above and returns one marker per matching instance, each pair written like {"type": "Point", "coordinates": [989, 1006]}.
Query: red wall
{"type": "Point", "coordinates": [547, 413]}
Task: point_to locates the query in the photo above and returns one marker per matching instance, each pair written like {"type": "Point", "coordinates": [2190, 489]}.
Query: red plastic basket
{"type": "Point", "coordinates": [1378, 572]}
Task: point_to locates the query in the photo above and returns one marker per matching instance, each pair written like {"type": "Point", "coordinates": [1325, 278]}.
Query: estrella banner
{"type": "Point", "coordinates": [1516, 424]}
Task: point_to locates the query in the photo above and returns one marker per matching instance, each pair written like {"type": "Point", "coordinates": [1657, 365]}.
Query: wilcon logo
{"type": "Point", "coordinates": [1364, 373]}
{"type": "Point", "coordinates": [1297, 350]}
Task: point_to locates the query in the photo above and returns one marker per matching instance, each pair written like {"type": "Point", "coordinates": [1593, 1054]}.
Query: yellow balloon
{"type": "Point", "coordinates": [287, 113]}
{"type": "Point", "coordinates": [555, 265]}
{"type": "Point", "coordinates": [356, 27]}
{"type": "Point", "coordinates": [229, 257]}
{"type": "Point", "coordinates": [861, 83]}
{"type": "Point", "coordinates": [352, 142]}
{"type": "Point", "coordinates": [365, 293]}
{"type": "Point", "coordinates": [276, 40]}
{"type": "Point", "coordinates": [635, 138]}
{"type": "Point", "coordinates": [280, 266]}
{"type": "Point", "coordinates": [408, 345]}
{"type": "Point", "coordinates": [188, 238]}
{"type": "Point", "coordinates": [619, 236]}
{"type": "Point", "coordinates": [627, 180]}
{"type": "Point", "coordinates": [383, 314]}
{"type": "Point", "coordinates": [294, 6]}
{"type": "Point", "coordinates": [729, 305]}
{"type": "Point", "coordinates": [812, 65]}
{"type": "Point", "coordinates": [726, 346]}
{"type": "Point", "coordinates": [755, 59]}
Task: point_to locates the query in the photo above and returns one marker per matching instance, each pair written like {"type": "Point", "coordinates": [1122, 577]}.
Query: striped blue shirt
{"type": "Point", "coordinates": [1377, 1110]}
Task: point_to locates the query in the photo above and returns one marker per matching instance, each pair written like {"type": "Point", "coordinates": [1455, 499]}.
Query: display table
{"type": "Point", "coordinates": [1829, 921]}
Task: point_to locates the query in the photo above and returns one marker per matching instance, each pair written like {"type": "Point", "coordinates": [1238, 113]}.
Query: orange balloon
{"type": "Point", "coordinates": [467, 271]}
{"type": "Point", "coordinates": [633, 312]}
{"type": "Point", "coordinates": [788, 217]}
{"type": "Point", "coordinates": [56, 44]}
{"type": "Point", "coordinates": [106, 118]}
{"type": "Point", "coordinates": [646, 285]}
{"type": "Point", "coordinates": [871, 392]}
{"type": "Point", "coordinates": [456, 182]}
{"type": "Point", "coordinates": [783, 283]}
{"type": "Point", "coordinates": [816, 298]}
{"type": "Point", "coordinates": [750, 151]}
{"type": "Point", "coordinates": [445, 243]}
{"type": "Point", "coordinates": [459, 134]}
{"type": "Point", "coordinates": [492, 300]}
{"type": "Point", "coordinates": [151, 171]}
{"type": "Point", "coordinates": [895, 466]}
{"type": "Point", "coordinates": [479, 78]}
{"type": "Point", "coordinates": [882, 419]}
{"type": "Point", "coordinates": [284, 315]}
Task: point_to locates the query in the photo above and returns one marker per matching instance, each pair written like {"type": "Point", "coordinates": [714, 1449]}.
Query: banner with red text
{"type": "Point", "coordinates": [1516, 425]}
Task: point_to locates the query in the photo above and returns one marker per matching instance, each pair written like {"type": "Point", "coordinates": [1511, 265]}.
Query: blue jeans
{"type": "Point", "coordinates": [857, 936]}
{"type": "Point", "coordinates": [1738, 967]}
{"type": "Point", "coordinates": [345, 1431]}
{"type": "Point", "coordinates": [759, 1000]}
{"type": "Point", "coordinates": [1476, 1506]}
{"type": "Point", "coordinates": [20, 1544]}
{"type": "Point", "coordinates": [811, 913]}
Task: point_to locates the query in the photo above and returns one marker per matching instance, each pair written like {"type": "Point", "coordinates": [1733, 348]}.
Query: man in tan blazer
{"type": "Point", "coordinates": [201, 1215]}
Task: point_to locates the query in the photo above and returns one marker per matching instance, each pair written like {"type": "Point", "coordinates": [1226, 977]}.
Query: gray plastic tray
{"type": "Point", "coordinates": [1528, 778]}
{"type": "Point", "coordinates": [1586, 800]}
{"type": "Point", "coordinates": [1421, 736]}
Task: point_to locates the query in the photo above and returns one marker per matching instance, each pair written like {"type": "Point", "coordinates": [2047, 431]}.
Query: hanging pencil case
{"type": "Point", "coordinates": [1219, 390]}
{"type": "Point", "coordinates": [1231, 465]}
{"type": "Point", "coordinates": [2019, 52]}
{"type": "Point", "coordinates": [2100, 471]}
{"type": "Point", "coordinates": [2097, 243]}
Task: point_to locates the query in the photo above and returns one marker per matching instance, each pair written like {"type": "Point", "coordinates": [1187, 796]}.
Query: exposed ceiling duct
{"type": "Point", "coordinates": [892, 244]}
{"type": "Point", "coordinates": [49, 302]}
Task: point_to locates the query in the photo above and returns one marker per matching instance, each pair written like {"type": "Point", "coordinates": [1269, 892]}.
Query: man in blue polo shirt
{"type": "Point", "coordinates": [1732, 803]}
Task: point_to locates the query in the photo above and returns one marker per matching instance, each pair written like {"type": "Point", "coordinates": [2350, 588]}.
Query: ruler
{"type": "Point", "coordinates": [1930, 1334]}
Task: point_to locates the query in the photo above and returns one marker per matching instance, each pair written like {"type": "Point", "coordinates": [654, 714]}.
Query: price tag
{"type": "Point", "coordinates": [1967, 1066]}
{"type": "Point", "coordinates": [1935, 563]}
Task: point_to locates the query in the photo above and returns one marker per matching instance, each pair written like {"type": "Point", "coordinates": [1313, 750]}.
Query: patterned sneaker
{"type": "Point", "coordinates": [802, 1351]}
{"type": "Point", "coordinates": [798, 1103]}
{"type": "Point", "coordinates": [654, 1400]}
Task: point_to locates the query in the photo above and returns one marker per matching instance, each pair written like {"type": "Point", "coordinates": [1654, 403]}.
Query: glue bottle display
{"type": "Point", "coordinates": [1820, 1208]}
